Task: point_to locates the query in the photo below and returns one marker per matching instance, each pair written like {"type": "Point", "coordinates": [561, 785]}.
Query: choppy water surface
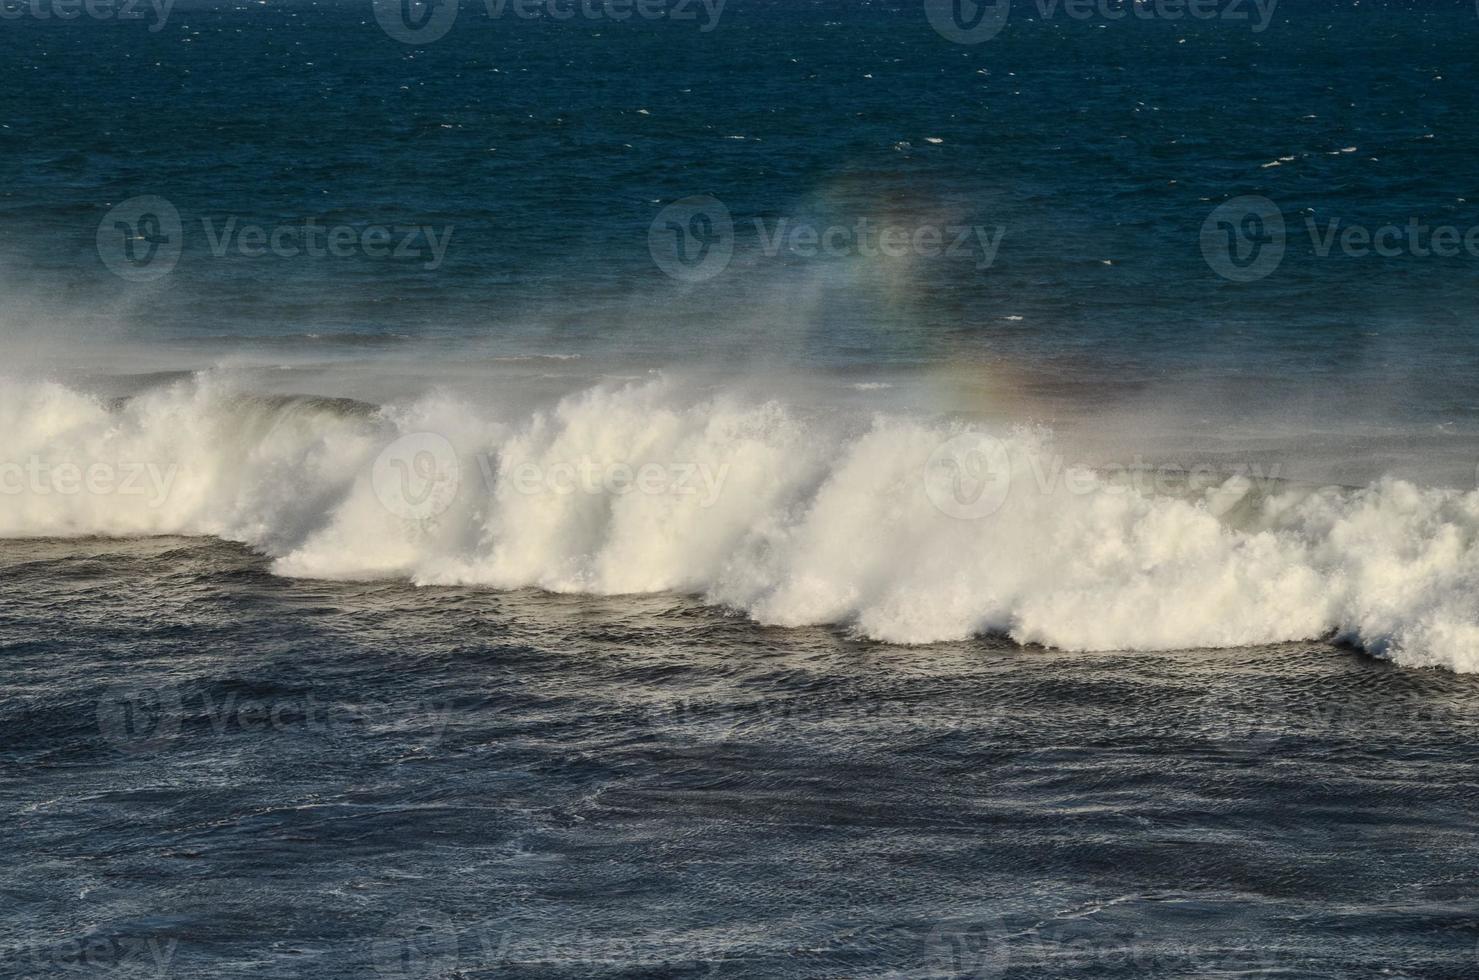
{"type": "Point", "coordinates": [256, 777]}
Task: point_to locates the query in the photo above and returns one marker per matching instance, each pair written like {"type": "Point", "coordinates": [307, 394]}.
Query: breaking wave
{"type": "Point", "coordinates": [908, 530]}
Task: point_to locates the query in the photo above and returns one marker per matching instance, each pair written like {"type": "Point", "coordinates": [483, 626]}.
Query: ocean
{"type": "Point", "coordinates": [766, 488]}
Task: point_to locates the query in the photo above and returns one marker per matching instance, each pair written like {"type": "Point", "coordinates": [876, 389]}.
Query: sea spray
{"type": "Point", "coordinates": [802, 520]}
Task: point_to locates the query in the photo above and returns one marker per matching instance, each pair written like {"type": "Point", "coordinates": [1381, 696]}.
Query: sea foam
{"type": "Point", "coordinates": [791, 518]}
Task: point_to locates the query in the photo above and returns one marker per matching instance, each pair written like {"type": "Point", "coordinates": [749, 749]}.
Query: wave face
{"type": "Point", "coordinates": [889, 525]}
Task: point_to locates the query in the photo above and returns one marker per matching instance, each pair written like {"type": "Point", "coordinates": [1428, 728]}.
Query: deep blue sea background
{"type": "Point", "coordinates": [207, 770]}
{"type": "Point", "coordinates": [550, 146]}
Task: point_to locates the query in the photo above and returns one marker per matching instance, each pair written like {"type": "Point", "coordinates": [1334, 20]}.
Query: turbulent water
{"type": "Point", "coordinates": [795, 519]}
{"type": "Point", "coordinates": [502, 597]}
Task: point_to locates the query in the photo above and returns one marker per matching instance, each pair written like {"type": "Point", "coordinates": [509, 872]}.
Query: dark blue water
{"type": "Point", "coordinates": [549, 147]}
{"type": "Point", "coordinates": [211, 769]}
{"type": "Point", "coordinates": [218, 772]}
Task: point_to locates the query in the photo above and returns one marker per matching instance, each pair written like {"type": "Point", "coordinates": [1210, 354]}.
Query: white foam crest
{"type": "Point", "coordinates": [793, 519]}
{"type": "Point", "coordinates": [194, 458]}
